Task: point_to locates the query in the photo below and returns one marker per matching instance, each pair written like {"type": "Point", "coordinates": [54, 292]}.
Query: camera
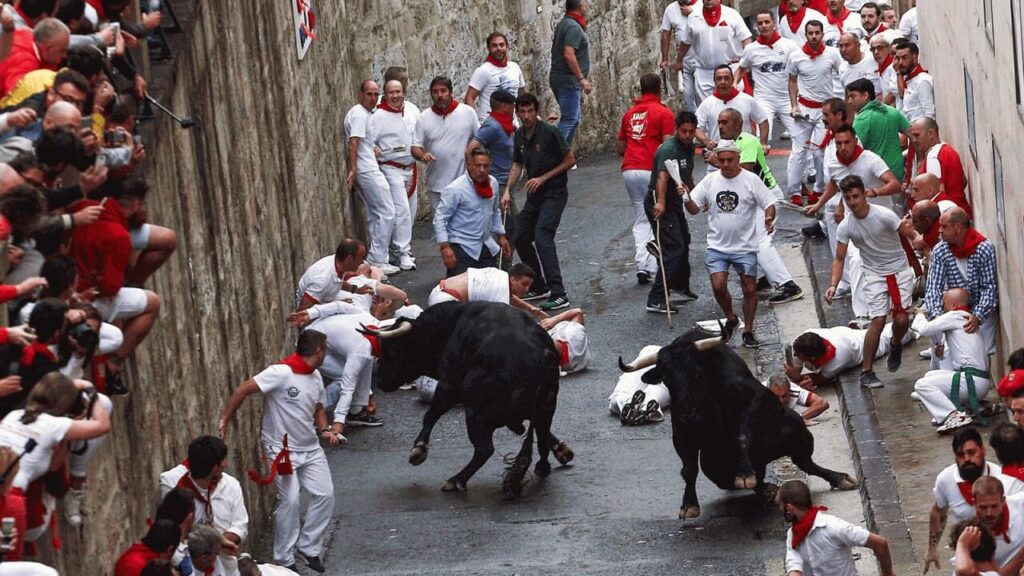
{"type": "Point", "coordinates": [115, 138]}
{"type": "Point", "coordinates": [85, 336]}
{"type": "Point", "coordinates": [83, 403]}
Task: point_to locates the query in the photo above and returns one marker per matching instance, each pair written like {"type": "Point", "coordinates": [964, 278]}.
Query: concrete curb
{"type": "Point", "coordinates": [883, 511]}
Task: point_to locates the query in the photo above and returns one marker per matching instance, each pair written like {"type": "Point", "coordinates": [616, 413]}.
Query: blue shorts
{"type": "Point", "coordinates": [744, 264]}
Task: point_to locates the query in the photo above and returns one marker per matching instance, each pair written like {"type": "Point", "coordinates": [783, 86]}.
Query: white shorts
{"type": "Point", "coordinates": [127, 303]}
{"type": "Point", "coordinates": [140, 236]}
{"type": "Point", "coordinates": [880, 301]}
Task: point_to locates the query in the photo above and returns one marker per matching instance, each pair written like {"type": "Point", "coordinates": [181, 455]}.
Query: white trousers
{"type": "Point", "coordinates": [769, 262]}
{"type": "Point", "coordinates": [83, 452]}
{"type": "Point", "coordinates": [688, 88]}
{"type": "Point", "coordinates": [806, 135]}
{"type": "Point", "coordinates": [776, 106]}
{"type": "Point", "coordinates": [314, 476]}
{"type": "Point", "coordinates": [636, 185]}
{"type": "Point", "coordinates": [381, 213]}
{"type": "Point", "coordinates": [352, 390]}
{"type": "Point", "coordinates": [988, 333]}
{"type": "Point", "coordinates": [399, 181]}
{"type": "Point", "coordinates": [934, 388]}
{"type": "Point", "coordinates": [703, 83]}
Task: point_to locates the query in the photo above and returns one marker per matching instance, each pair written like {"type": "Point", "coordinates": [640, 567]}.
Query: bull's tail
{"type": "Point", "coordinates": [516, 470]}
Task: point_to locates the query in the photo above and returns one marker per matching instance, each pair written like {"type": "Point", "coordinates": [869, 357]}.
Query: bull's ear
{"type": "Point", "coordinates": [653, 376]}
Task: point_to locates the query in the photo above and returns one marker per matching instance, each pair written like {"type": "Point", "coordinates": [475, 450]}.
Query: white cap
{"type": "Point", "coordinates": [727, 146]}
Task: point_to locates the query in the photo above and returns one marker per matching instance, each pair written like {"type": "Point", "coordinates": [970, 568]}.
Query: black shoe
{"type": "Point", "coordinates": [294, 568]}
{"type": "Point", "coordinates": [652, 249]}
{"type": "Point", "coordinates": [643, 415]}
{"type": "Point", "coordinates": [536, 295]}
{"type": "Point", "coordinates": [313, 562]}
{"type": "Point", "coordinates": [661, 307]}
{"type": "Point", "coordinates": [731, 325]}
{"type": "Point", "coordinates": [813, 230]}
{"type": "Point", "coordinates": [115, 385]}
{"type": "Point", "coordinates": [869, 380]}
{"type": "Point", "coordinates": [895, 356]}
{"type": "Point", "coordinates": [643, 277]}
{"type": "Point", "coordinates": [555, 304]}
{"type": "Point", "coordinates": [363, 418]}
{"type": "Point", "coordinates": [634, 405]}
{"type": "Point", "coordinates": [787, 293]}
{"type": "Point", "coordinates": [763, 284]}
{"type": "Point", "coordinates": [749, 341]}
{"type": "Point", "coordinates": [687, 295]}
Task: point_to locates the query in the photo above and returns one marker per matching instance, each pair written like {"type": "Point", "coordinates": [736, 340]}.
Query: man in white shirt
{"type": "Point", "coordinates": [908, 23]}
{"type": "Point", "coordinates": [218, 496]}
{"type": "Point", "coordinates": [919, 96]}
{"type": "Point", "coordinates": [793, 396]}
{"type": "Point", "coordinates": [819, 544]}
{"type": "Point", "coordinates": [871, 21]}
{"type": "Point", "coordinates": [1002, 514]}
{"type": "Point", "coordinates": [441, 136]}
{"type": "Point", "coordinates": [821, 354]}
{"type": "Point", "coordinates": [498, 72]}
{"type": "Point", "coordinates": [569, 333]}
{"type": "Point", "coordinates": [636, 402]}
{"type": "Point", "coordinates": [716, 35]}
{"type": "Point", "coordinates": [293, 422]}
{"type": "Point", "coordinates": [881, 52]}
{"type": "Point", "coordinates": [888, 278]}
{"type": "Point", "coordinates": [674, 24]}
{"type": "Point", "coordinates": [792, 24]}
{"type": "Point", "coordinates": [811, 73]}
{"type": "Point", "coordinates": [390, 132]}
{"type": "Point", "coordinates": [766, 60]}
{"type": "Point", "coordinates": [856, 65]}
{"type": "Point", "coordinates": [945, 392]}
{"type": "Point", "coordinates": [727, 96]}
{"type": "Point", "coordinates": [324, 280]}
{"type": "Point", "coordinates": [840, 19]}
{"type": "Point", "coordinates": [733, 198]}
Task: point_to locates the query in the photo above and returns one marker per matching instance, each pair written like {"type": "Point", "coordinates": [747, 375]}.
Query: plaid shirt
{"type": "Point", "coordinates": [980, 282]}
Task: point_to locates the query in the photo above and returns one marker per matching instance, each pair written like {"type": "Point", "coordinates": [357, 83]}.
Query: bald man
{"type": "Point", "coordinates": [939, 158]}
{"type": "Point", "coordinates": [923, 220]}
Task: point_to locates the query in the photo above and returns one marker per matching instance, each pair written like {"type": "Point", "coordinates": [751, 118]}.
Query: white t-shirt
{"type": "Point", "coordinates": [446, 137]}
{"type": "Point", "coordinates": [356, 123]}
{"type": "Point", "coordinates": [800, 36]}
{"type": "Point", "coordinates": [767, 64]}
{"type": "Point", "coordinates": [947, 492]}
{"type": "Point", "coordinates": [866, 68]}
{"type": "Point", "coordinates": [815, 77]}
{"type": "Point", "coordinates": [889, 80]}
{"type": "Point", "coordinates": [673, 21]}
{"type": "Point", "coordinates": [869, 166]}
{"type": "Point", "coordinates": [291, 400]}
{"type": "Point", "coordinates": [826, 551]}
{"type": "Point", "coordinates": [877, 237]}
{"type": "Point", "coordinates": [849, 345]}
{"type": "Point", "coordinates": [716, 45]}
{"type": "Point", "coordinates": [851, 24]}
{"type": "Point", "coordinates": [796, 396]}
{"type": "Point", "coordinates": [320, 282]}
{"type": "Point", "coordinates": [487, 285]}
{"type": "Point", "coordinates": [712, 106]}
{"type": "Point", "coordinates": [732, 205]}
{"type": "Point", "coordinates": [919, 97]}
{"type": "Point", "coordinates": [1015, 531]}
{"type": "Point", "coordinates": [487, 78]}
{"type": "Point", "coordinates": [962, 349]}
{"type": "Point", "coordinates": [908, 25]}
{"type": "Point", "coordinates": [392, 133]}
{"type": "Point", "coordinates": [344, 343]}
{"type": "Point", "coordinates": [577, 345]}
{"type": "Point", "coordinates": [47, 431]}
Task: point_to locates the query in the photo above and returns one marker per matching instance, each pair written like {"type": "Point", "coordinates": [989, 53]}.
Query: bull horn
{"type": "Point", "coordinates": [642, 361]}
{"type": "Point", "coordinates": [395, 331]}
{"type": "Point", "coordinates": [363, 329]}
{"type": "Point", "coordinates": [707, 344]}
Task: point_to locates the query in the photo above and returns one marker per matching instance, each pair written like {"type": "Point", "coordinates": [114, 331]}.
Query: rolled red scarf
{"type": "Point", "coordinates": [886, 64]}
{"type": "Point", "coordinates": [387, 107]}
{"type": "Point", "coordinates": [505, 120]}
{"type": "Point", "coordinates": [578, 18]}
{"type": "Point", "coordinates": [297, 364]}
{"type": "Point", "coordinates": [828, 356]}
{"type": "Point", "coordinates": [970, 245]}
{"type": "Point", "coordinates": [733, 92]}
{"type": "Point", "coordinates": [484, 190]}
{"type": "Point", "coordinates": [1015, 470]}
{"type": "Point", "coordinates": [713, 15]}
{"type": "Point", "coordinates": [451, 108]}
{"type": "Point", "coordinates": [374, 341]}
{"type": "Point", "coordinates": [28, 353]}
{"type": "Point", "coordinates": [856, 154]}
{"type": "Point", "coordinates": [803, 526]}
{"type": "Point", "coordinates": [837, 21]}
{"type": "Point", "coordinates": [771, 42]}
{"type": "Point", "coordinates": [1003, 528]}
{"type": "Point", "coordinates": [812, 52]}
{"type": "Point", "coordinates": [917, 70]}
{"type": "Point", "coordinates": [794, 19]}
{"type": "Point", "coordinates": [496, 62]}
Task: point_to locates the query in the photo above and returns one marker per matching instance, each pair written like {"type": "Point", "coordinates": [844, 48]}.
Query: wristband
{"type": "Point", "coordinates": [327, 429]}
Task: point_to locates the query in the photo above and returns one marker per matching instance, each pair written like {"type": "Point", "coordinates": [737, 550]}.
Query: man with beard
{"type": "Point", "coordinates": [727, 96]}
{"type": "Point", "coordinates": [442, 133]}
{"type": "Point", "coordinates": [819, 543]}
{"type": "Point", "coordinates": [716, 35]}
{"type": "Point", "coordinates": [953, 491]}
{"type": "Point", "coordinates": [919, 96]}
{"type": "Point", "coordinates": [1002, 514]}
{"type": "Point", "coordinates": [498, 72]}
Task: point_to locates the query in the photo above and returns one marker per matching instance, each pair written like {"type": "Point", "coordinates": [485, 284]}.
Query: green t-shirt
{"type": "Point", "coordinates": [682, 154]}
{"type": "Point", "coordinates": [751, 152]}
{"type": "Point", "coordinates": [878, 127]}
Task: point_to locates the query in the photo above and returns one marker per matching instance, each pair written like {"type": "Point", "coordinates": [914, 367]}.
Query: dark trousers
{"type": "Point", "coordinates": [464, 261]}
{"type": "Point", "coordinates": [674, 233]}
{"type": "Point", "coordinates": [536, 226]}
{"type": "Point", "coordinates": [511, 215]}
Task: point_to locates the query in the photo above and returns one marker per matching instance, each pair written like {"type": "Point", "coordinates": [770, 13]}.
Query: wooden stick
{"type": "Point", "coordinates": [501, 253]}
{"type": "Point", "coordinates": [664, 278]}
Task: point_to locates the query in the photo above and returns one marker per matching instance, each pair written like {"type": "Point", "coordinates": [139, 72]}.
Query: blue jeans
{"type": "Point", "coordinates": [569, 104]}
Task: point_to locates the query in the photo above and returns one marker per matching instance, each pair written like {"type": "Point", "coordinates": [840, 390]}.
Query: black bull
{"type": "Point", "coordinates": [496, 361]}
{"type": "Point", "coordinates": [725, 423]}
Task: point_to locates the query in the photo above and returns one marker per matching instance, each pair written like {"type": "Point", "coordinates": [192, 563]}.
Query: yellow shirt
{"type": "Point", "coordinates": [38, 81]}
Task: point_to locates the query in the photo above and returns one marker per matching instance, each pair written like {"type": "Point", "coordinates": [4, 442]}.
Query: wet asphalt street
{"type": "Point", "coordinates": [614, 510]}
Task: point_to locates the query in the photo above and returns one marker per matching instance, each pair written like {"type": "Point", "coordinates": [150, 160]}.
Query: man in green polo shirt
{"type": "Point", "coordinates": [878, 126]}
{"type": "Point", "coordinates": [772, 270]}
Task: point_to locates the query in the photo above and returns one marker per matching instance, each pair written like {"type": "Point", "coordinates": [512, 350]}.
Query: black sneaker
{"type": "Point", "coordinates": [731, 325]}
{"type": "Point", "coordinates": [363, 418]}
{"type": "Point", "coordinates": [813, 230]}
{"type": "Point", "coordinates": [749, 341]}
{"type": "Point", "coordinates": [895, 356]}
{"type": "Point", "coordinates": [652, 249]}
{"type": "Point", "coordinates": [787, 293]}
{"type": "Point", "coordinates": [536, 295]}
{"type": "Point", "coordinates": [555, 303]}
{"type": "Point", "coordinates": [661, 307]}
{"type": "Point", "coordinates": [634, 405]}
{"type": "Point", "coordinates": [643, 277]}
{"type": "Point", "coordinates": [763, 284]}
{"type": "Point", "coordinates": [643, 415]}
{"type": "Point", "coordinates": [687, 295]}
{"type": "Point", "coordinates": [313, 562]}
{"type": "Point", "coordinates": [869, 380]}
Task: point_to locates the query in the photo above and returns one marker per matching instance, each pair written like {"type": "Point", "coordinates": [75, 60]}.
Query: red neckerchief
{"type": "Point", "coordinates": [297, 364]}
{"type": "Point", "coordinates": [28, 353]}
{"type": "Point", "coordinates": [770, 43]}
{"type": "Point", "coordinates": [881, 28]}
{"type": "Point", "coordinates": [1003, 528]}
{"type": "Point", "coordinates": [970, 245]}
{"type": "Point", "coordinates": [931, 237]}
{"type": "Point", "coordinates": [374, 342]}
{"type": "Point", "coordinates": [451, 108]}
{"type": "Point", "coordinates": [484, 190]}
{"type": "Point", "coordinates": [713, 15]}
{"type": "Point", "coordinates": [826, 139]}
{"type": "Point", "coordinates": [505, 120]}
{"type": "Point", "coordinates": [725, 98]}
{"type": "Point", "coordinates": [917, 70]}
{"type": "Point", "coordinates": [387, 107]}
{"type": "Point", "coordinates": [1015, 470]}
{"type": "Point", "coordinates": [885, 65]}
{"type": "Point", "coordinates": [812, 52]}
{"type": "Point", "coordinates": [856, 154]}
{"type": "Point", "coordinates": [186, 481]}
{"type": "Point", "coordinates": [803, 526]}
{"type": "Point", "coordinates": [830, 353]}
{"type": "Point", "coordinates": [578, 18]}
{"type": "Point", "coordinates": [496, 62]}
{"type": "Point", "coordinates": [563, 352]}
{"type": "Point", "coordinates": [795, 18]}
{"type": "Point", "coordinates": [838, 22]}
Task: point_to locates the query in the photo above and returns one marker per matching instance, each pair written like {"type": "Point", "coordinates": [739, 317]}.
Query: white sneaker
{"type": "Point", "coordinates": [73, 507]}
{"type": "Point", "coordinates": [925, 354]}
{"type": "Point", "coordinates": [915, 395]}
{"type": "Point", "coordinates": [386, 268]}
{"type": "Point", "coordinates": [406, 262]}
{"type": "Point", "coordinates": [953, 421]}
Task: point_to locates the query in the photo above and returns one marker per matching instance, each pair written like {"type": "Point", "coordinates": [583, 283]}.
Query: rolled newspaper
{"type": "Point", "coordinates": [672, 167]}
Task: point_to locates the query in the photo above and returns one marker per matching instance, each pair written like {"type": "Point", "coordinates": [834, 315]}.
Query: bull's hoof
{"type": "Point", "coordinates": [542, 468]}
{"type": "Point", "coordinates": [746, 482]}
{"type": "Point", "coordinates": [563, 453]}
{"type": "Point", "coordinates": [452, 486]}
{"type": "Point", "coordinates": [767, 491]}
{"type": "Point", "coordinates": [689, 512]}
{"type": "Point", "coordinates": [846, 483]}
{"type": "Point", "coordinates": [418, 454]}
